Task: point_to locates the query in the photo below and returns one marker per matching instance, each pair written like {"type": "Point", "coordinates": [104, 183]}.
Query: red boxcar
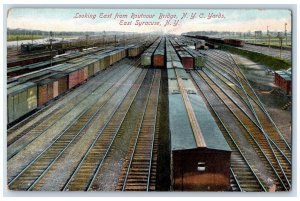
{"type": "Point", "coordinates": [186, 59]}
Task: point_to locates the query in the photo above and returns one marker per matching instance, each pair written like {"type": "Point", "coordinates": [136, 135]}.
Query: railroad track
{"type": "Point", "coordinates": [261, 114]}
{"type": "Point", "coordinates": [138, 169]}
{"type": "Point", "coordinates": [36, 169]}
{"type": "Point", "coordinates": [46, 116]}
{"type": "Point", "coordinates": [245, 177]}
{"type": "Point", "coordinates": [255, 135]}
{"type": "Point", "coordinates": [252, 103]}
{"type": "Point", "coordinates": [285, 54]}
{"type": "Point", "coordinates": [35, 131]}
{"type": "Point", "coordinates": [93, 161]}
{"type": "Point", "coordinates": [127, 132]}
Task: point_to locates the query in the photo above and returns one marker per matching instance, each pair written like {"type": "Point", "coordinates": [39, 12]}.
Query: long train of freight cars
{"type": "Point", "coordinates": [200, 155]}
{"type": "Point", "coordinates": [156, 55]}
{"type": "Point", "coordinates": [133, 51]}
{"type": "Point", "coordinates": [214, 40]}
{"type": "Point", "coordinates": [33, 90]}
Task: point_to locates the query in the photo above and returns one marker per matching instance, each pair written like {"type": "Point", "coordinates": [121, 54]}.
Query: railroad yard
{"type": "Point", "coordinates": [165, 113]}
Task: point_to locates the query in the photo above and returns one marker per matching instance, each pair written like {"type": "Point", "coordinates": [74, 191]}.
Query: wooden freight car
{"type": "Point", "coordinates": [21, 99]}
{"type": "Point", "coordinates": [159, 55]}
{"type": "Point", "coordinates": [146, 57]}
{"type": "Point", "coordinates": [200, 158]}
{"type": "Point", "coordinates": [60, 84]}
{"type": "Point", "coordinates": [283, 79]}
{"type": "Point", "coordinates": [186, 60]}
{"type": "Point", "coordinates": [198, 58]}
{"type": "Point", "coordinates": [44, 91]}
{"type": "Point", "coordinates": [234, 42]}
{"type": "Point", "coordinates": [135, 50]}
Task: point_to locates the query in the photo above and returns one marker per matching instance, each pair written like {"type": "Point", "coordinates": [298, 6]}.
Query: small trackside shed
{"type": "Point", "coordinates": [194, 167]}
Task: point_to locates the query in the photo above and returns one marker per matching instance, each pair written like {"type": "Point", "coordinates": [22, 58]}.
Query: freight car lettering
{"type": "Point", "coordinates": [119, 16]}
{"type": "Point", "coordinates": [122, 22]}
{"type": "Point", "coordinates": [214, 16]}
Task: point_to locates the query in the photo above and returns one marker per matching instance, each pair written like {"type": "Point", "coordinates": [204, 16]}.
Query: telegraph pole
{"type": "Point", "coordinates": [269, 37]}
{"type": "Point", "coordinates": [285, 33]}
{"type": "Point", "coordinates": [86, 39]}
{"type": "Point", "coordinates": [17, 43]}
{"type": "Point", "coordinates": [280, 37]}
{"type": "Point", "coordinates": [51, 36]}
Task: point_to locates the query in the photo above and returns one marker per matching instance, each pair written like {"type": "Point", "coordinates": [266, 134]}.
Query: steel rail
{"type": "Point", "coordinates": [49, 116]}
{"type": "Point", "coordinates": [139, 133]}
{"type": "Point", "coordinates": [99, 133]}
{"type": "Point", "coordinates": [62, 134]}
{"type": "Point", "coordinates": [253, 138]}
{"type": "Point", "coordinates": [230, 136]}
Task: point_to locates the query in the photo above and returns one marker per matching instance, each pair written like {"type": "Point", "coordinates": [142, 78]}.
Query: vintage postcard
{"type": "Point", "coordinates": [140, 99]}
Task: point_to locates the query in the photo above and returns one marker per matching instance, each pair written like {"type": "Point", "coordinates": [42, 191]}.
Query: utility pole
{"type": "Point", "coordinates": [280, 37]}
{"type": "Point", "coordinates": [17, 43]}
{"type": "Point", "coordinates": [124, 38]}
{"type": "Point", "coordinates": [269, 37]}
{"type": "Point", "coordinates": [285, 33]}
{"type": "Point", "coordinates": [86, 39]}
{"type": "Point", "coordinates": [103, 38]}
{"type": "Point", "coordinates": [51, 36]}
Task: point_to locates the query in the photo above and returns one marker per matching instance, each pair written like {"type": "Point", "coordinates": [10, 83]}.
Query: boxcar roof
{"type": "Point", "coordinates": [287, 75]}
{"type": "Point", "coordinates": [182, 136]}
{"type": "Point", "coordinates": [15, 68]}
{"type": "Point", "coordinates": [213, 137]}
{"type": "Point", "coordinates": [20, 87]}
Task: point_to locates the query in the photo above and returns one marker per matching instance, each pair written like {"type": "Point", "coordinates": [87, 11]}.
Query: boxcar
{"type": "Point", "coordinates": [21, 99]}
{"type": "Point", "coordinates": [186, 59]}
{"type": "Point", "coordinates": [194, 166]}
{"type": "Point", "coordinates": [159, 58]}
{"type": "Point", "coordinates": [45, 91]}
{"type": "Point", "coordinates": [234, 42]}
{"type": "Point", "coordinates": [283, 79]}
{"type": "Point", "coordinates": [198, 58]}
{"type": "Point", "coordinates": [146, 59]}
{"type": "Point", "coordinates": [73, 78]}
{"type": "Point", "coordinates": [159, 55]}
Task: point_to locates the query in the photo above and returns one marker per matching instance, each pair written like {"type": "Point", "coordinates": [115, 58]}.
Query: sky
{"type": "Point", "coordinates": [178, 20]}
